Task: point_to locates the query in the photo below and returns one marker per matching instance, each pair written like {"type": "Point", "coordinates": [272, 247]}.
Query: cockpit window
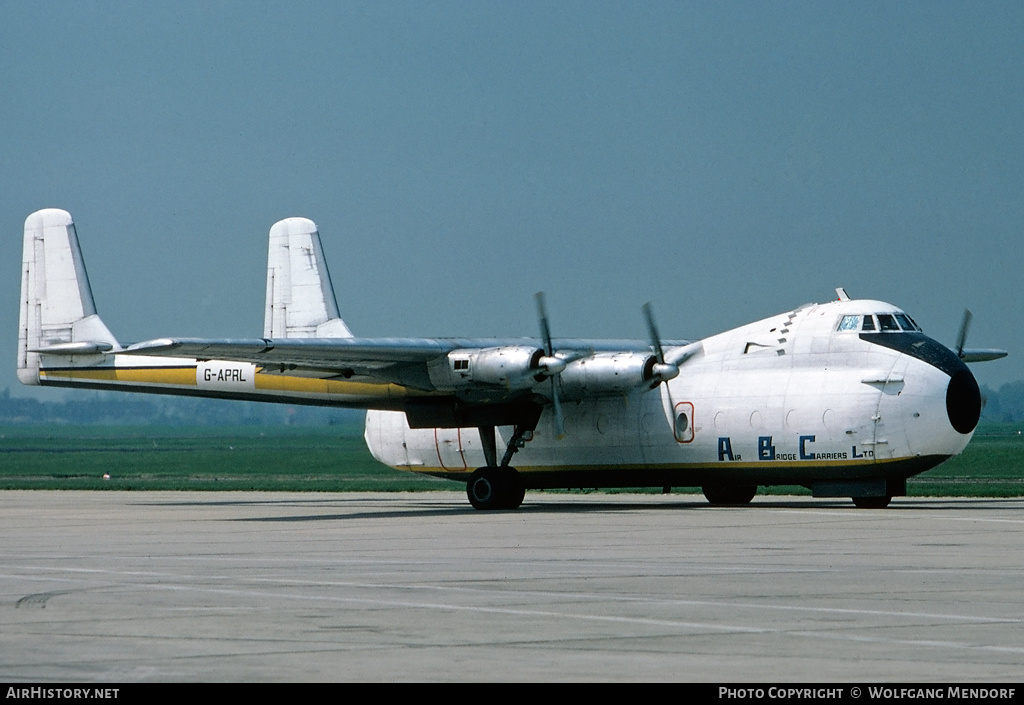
{"type": "Point", "coordinates": [849, 323]}
{"type": "Point", "coordinates": [906, 322]}
{"type": "Point", "coordinates": [887, 322]}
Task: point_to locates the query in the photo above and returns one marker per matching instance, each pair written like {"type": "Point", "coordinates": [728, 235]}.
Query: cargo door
{"type": "Point", "coordinates": [450, 453]}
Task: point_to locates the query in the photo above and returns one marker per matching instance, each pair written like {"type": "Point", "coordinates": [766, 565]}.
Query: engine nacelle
{"type": "Point", "coordinates": [612, 373]}
{"type": "Point", "coordinates": [507, 367]}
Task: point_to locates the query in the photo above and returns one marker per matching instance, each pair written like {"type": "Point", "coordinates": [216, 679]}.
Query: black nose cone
{"type": "Point", "coordinates": [963, 401]}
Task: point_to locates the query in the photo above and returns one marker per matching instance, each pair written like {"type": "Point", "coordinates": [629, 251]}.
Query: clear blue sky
{"type": "Point", "coordinates": [726, 161]}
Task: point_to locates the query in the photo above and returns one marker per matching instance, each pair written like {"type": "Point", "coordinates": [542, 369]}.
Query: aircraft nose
{"type": "Point", "coordinates": [963, 397]}
{"type": "Point", "coordinates": [963, 401]}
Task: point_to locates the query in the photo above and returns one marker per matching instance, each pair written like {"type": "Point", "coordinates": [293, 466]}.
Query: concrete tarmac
{"type": "Point", "coordinates": [124, 587]}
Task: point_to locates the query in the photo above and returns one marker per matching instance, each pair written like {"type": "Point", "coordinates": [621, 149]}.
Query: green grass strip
{"type": "Point", "coordinates": [335, 459]}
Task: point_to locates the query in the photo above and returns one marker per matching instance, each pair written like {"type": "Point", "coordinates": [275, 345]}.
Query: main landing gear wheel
{"type": "Point", "coordinates": [731, 494]}
{"type": "Point", "coordinates": [495, 488]}
{"type": "Point", "coordinates": [871, 502]}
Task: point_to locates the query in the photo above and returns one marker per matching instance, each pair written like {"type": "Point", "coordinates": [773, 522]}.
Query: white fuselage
{"type": "Point", "coordinates": [785, 400]}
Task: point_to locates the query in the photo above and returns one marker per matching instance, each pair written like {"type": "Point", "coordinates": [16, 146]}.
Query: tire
{"type": "Point", "coordinates": [516, 489]}
{"type": "Point", "coordinates": [483, 489]}
{"type": "Point", "coordinates": [871, 502]}
{"type": "Point", "coordinates": [492, 488]}
{"type": "Point", "coordinates": [729, 494]}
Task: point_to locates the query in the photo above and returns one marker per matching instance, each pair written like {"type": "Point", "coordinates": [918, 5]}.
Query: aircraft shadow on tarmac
{"type": "Point", "coordinates": [429, 507]}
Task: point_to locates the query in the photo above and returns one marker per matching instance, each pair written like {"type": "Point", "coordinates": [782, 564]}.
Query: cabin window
{"type": "Point", "coordinates": [849, 323]}
{"type": "Point", "coordinates": [869, 323]}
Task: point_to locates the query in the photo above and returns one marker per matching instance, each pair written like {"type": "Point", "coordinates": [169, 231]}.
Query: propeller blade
{"type": "Point", "coordinates": [545, 329]}
{"type": "Point", "coordinates": [666, 372]}
{"type": "Point", "coordinates": [557, 409]}
{"type": "Point", "coordinates": [553, 365]}
{"type": "Point", "coordinates": [652, 330]}
{"type": "Point", "coordinates": [961, 339]}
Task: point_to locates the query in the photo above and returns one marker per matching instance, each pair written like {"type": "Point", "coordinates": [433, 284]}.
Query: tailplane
{"type": "Point", "coordinates": [58, 315]}
{"type": "Point", "coordinates": [300, 296]}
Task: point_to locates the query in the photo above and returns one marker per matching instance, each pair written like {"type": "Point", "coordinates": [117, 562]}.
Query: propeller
{"type": "Point", "coordinates": [662, 371]}
{"type": "Point", "coordinates": [550, 365]}
{"type": "Point", "coordinates": [961, 339]}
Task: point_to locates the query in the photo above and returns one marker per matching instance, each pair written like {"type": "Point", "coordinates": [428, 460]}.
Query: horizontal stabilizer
{"type": "Point", "coordinates": [80, 348]}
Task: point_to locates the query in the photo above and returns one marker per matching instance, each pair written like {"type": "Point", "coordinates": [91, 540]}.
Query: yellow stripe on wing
{"type": "Point", "coordinates": [138, 375]}
{"type": "Point", "coordinates": [267, 384]}
{"type": "Point", "coordinates": [310, 385]}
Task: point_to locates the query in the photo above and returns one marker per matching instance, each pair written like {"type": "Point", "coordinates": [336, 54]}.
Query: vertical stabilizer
{"type": "Point", "coordinates": [57, 314]}
{"type": "Point", "coordinates": [300, 296]}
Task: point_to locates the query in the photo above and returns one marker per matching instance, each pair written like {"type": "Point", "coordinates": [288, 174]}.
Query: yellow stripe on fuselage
{"type": "Point", "coordinates": [568, 469]}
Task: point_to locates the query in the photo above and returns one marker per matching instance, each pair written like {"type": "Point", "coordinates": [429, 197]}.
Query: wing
{"type": "Point", "coordinates": [467, 382]}
{"type": "Point", "coordinates": [399, 361]}
{"type": "Point", "coordinates": [421, 363]}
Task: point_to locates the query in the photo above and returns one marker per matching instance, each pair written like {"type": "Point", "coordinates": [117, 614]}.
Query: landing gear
{"type": "Point", "coordinates": [729, 494]}
{"type": "Point", "coordinates": [871, 502]}
{"type": "Point", "coordinates": [499, 486]}
{"type": "Point", "coordinates": [495, 488]}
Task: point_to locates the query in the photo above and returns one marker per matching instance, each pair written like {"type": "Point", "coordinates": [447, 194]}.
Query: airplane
{"type": "Point", "coordinates": [848, 398]}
